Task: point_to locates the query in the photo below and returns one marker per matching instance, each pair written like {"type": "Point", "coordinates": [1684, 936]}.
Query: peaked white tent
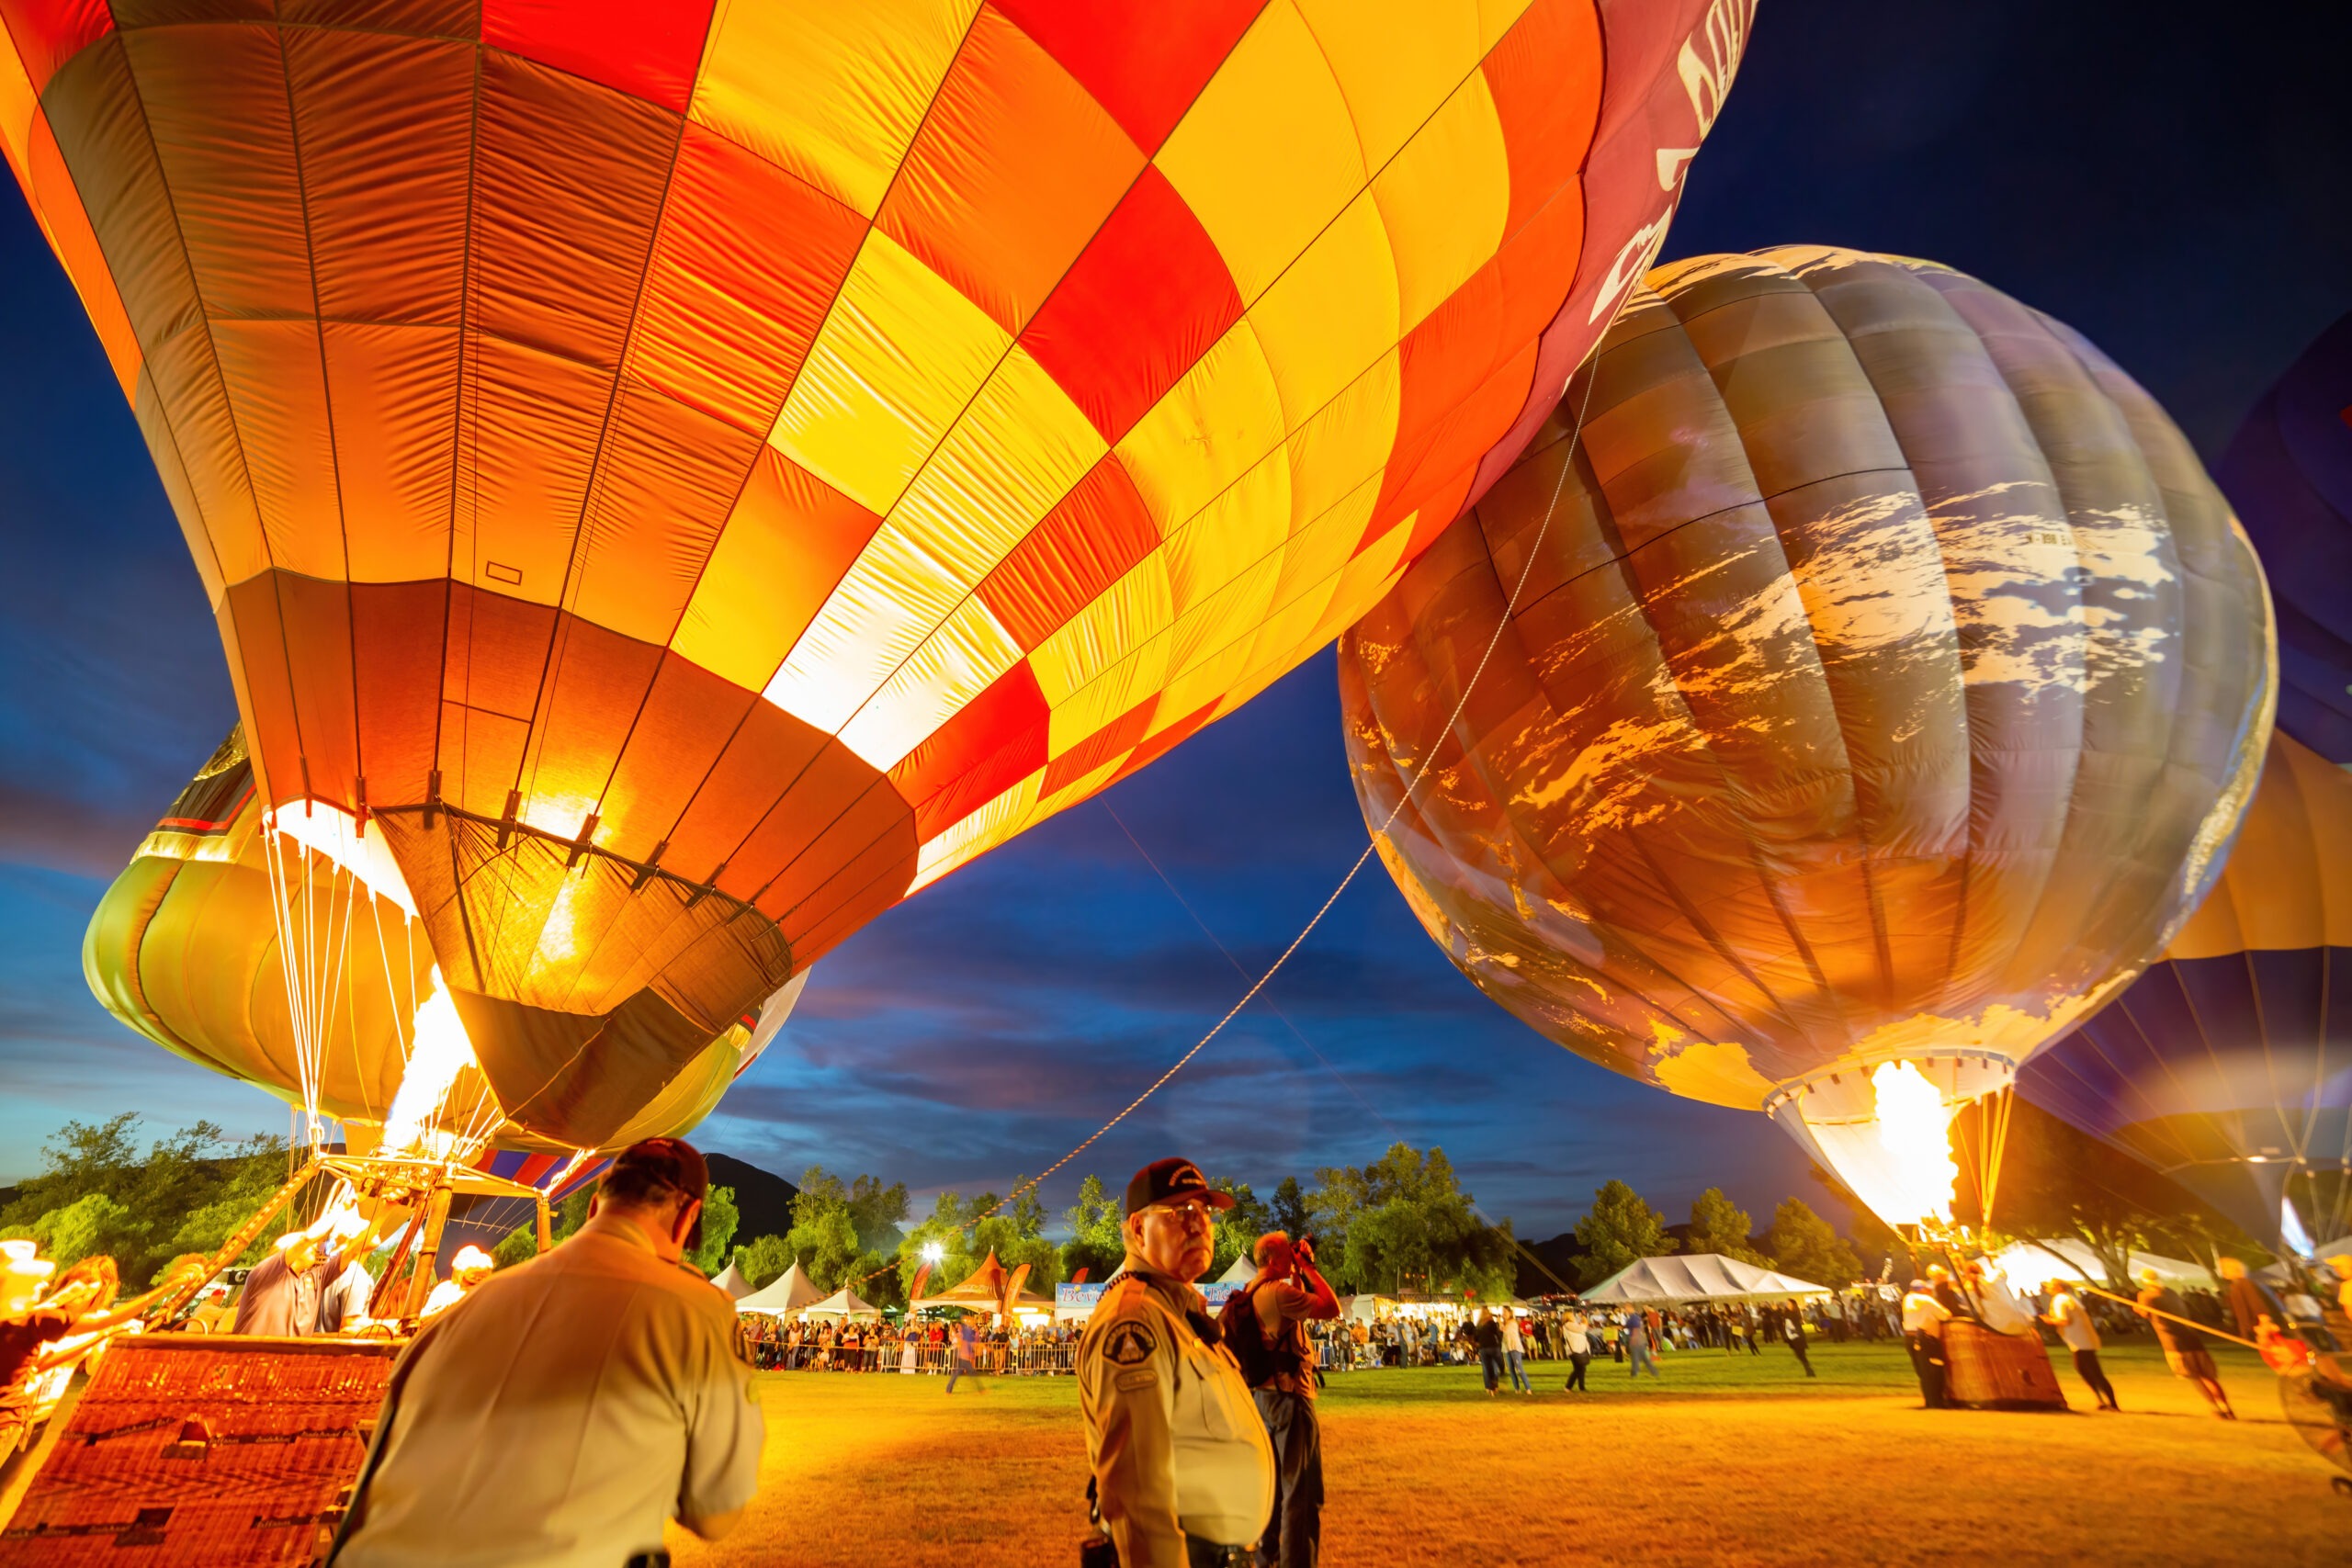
{"type": "Point", "coordinates": [2030, 1265]}
{"type": "Point", "coordinates": [791, 1293]}
{"type": "Point", "coordinates": [843, 1303]}
{"type": "Point", "coordinates": [1703, 1276]}
{"type": "Point", "coordinates": [731, 1280]}
{"type": "Point", "coordinates": [1242, 1273]}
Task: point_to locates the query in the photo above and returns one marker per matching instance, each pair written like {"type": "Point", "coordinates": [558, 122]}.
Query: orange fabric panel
{"type": "Point", "coordinates": [1086, 544]}
{"type": "Point", "coordinates": [568, 185]}
{"type": "Point", "coordinates": [398, 630]}
{"type": "Point", "coordinates": [187, 384]}
{"type": "Point", "coordinates": [67, 223]}
{"type": "Point", "coordinates": [273, 372]}
{"type": "Point", "coordinates": [395, 393]}
{"type": "Point", "coordinates": [802, 535]}
{"type": "Point", "coordinates": [991, 743]}
{"type": "Point", "coordinates": [686, 722]}
{"type": "Point", "coordinates": [316, 621]}
{"type": "Point", "coordinates": [531, 424]}
{"type": "Point", "coordinates": [748, 261]}
{"type": "Point", "coordinates": [497, 652]}
{"type": "Point", "coordinates": [386, 128]}
{"type": "Point", "coordinates": [255, 640]}
{"type": "Point", "coordinates": [1148, 297]}
{"type": "Point", "coordinates": [868, 832]}
{"type": "Point", "coordinates": [795, 845]}
{"type": "Point", "coordinates": [1108, 744]}
{"type": "Point", "coordinates": [1014, 169]}
{"type": "Point", "coordinates": [1167, 741]}
{"type": "Point", "coordinates": [1144, 64]}
{"type": "Point", "coordinates": [766, 756]}
{"type": "Point", "coordinates": [482, 755]}
{"type": "Point", "coordinates": [419, 18]}
{"type": "Point", "coordinates": [1546, 76]}
{"type": "Point", "coordinates": [666, 478]}
{"type": "Point", "coordinates": [649, 51]}
{"type": "Point", "coordinates": [48, 33]}
{"type": "Point", "coordinates": [596, 682]}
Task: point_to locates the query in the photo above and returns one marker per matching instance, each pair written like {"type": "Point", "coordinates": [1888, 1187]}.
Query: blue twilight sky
{"type": "Point", "coordinates": [2174, 188]}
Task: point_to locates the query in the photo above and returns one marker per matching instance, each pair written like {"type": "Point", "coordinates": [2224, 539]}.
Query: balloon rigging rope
{"type": "Point", "coordinates": [1404, 798]}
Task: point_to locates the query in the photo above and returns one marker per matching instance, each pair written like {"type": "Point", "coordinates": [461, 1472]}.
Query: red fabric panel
{"type": "Point", "coordinates": [596, 684]}
{"type": "Point", "coordinates": [1434, 479]}
{"type": "Point", "coordinates": [535, 1168]}
{"type": "Point", "coordinates": [569, 184]}
{"type": "Point", "coordinates": [411, 18]}
{"type": "Point", "coordinates": [1167, 741]}
{"type": "Point", "coordinates": [992, 743]}
{"type": "Point", "coordinates": [1112, 742]}
{"type": "Point", "coordinates": [748, 261]}
{"type": "Point", "coordinates": [687, 721]}
{"type": "Point", "coordinates": [48, 33]}
{"type": "Point", "coordinates": [1087, 543]}
{"type": "Point", "coordinates": [1146, 300]}
{"type": "Point", "coordinates": [396, 630]}
{"type": "Point", "coordinates": [1546, 77]}
{"type": "Point", "coordinates": [1144, 64]}
{"type": "Point", "coordinates": [814, 918]}
{"type": "Point", "coordinates": [497, 651]}
{"type": "Point", "coordinates": [823, 529]}
{"type": "Point", "coordinates": [801, 840]}
{"type": "Point", "coordinates": [1014, 169]}
{"type": "Point", "coordinates": [647, 50]}
{"type": "Point", "coordinates": [764, 759]}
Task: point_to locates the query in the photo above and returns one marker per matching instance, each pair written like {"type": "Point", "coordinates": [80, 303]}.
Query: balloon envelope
{"type": "Point", "coordinates": [1886, 682]}
{"type": "Point", "coordinates": [2289, 472]}
{"type": "Point", "coordinates": [692, 474]}
{"type": "Point", "coordinates": [185, 949]}
{"type": "Point", "coordinates": [2228, 1065]}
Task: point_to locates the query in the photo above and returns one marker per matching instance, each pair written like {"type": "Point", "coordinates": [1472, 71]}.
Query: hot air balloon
{"type": "Point", "coordinates": [2289, 473]}
{"type": "Point", "coordinates": [185, 949]}
{"type": "Point", "coordinates": [1884, 682]}
{"type": "Point", "coordinates": [2228, 1065]}
{"type": "Point", "coordinates": [682, 478]}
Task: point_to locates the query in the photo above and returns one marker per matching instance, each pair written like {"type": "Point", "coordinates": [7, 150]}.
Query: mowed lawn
{"type": "Point", "coordinates": [1725, 1460]}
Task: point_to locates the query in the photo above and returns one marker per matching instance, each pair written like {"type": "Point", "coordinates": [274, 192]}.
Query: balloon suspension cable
{"type": "Point", "coordinates": [2170, 1318]}
{"type": "Point", "coordinates": [1338, 1077]}
{"type": "Point", "coordinates": [1502, 624]}
{"type": "Point", "coordinates": [313, 978]}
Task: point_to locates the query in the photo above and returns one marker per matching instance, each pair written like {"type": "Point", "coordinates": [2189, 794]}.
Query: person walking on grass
{"type": "Point", "coordinates": [1575, 1336]}
{"type": "Point", "coordinates": [1487, 1336]}
{"type": "Point", "coordinates": [1638, 1345]}
{"type": "Point", "coordinates": [1515, 1352]}
{"type": "Point", "coordinates": [1793, 1335]}
{"type": "Point", "coordinates": [966, 1345]}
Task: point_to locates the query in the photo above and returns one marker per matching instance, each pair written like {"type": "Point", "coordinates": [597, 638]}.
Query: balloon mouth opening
{"type": "Point", "coordinates": [1884, 1129]}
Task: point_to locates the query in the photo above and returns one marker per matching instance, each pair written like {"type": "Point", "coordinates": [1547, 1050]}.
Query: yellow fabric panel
{"type": "Point", "coordinates": [897, 360]}
{"type": "Point", "coordinates": [1327, 455]}
{"type": "Point", "coordinates": [2288, 881]}
{"type": "Point", "coordinates": [1206, 682]}
{"type": "Point", "coordinates": [1496, 18]}
{"type": "Point", "coordinates": [1210, 428]}
{"type": "Point", "coordinates": [832, 91]}
{"type": "Point", "coordinates": [1446, 197]}
{"type": "Point", "coordinates": [1124, 618]}
{"type": "Point", "coordinates": [1011, 457]}
{"type": "Point", "coordinates": [955, 664]}
{"type": "Point", "coordinates": [977, 834]}
{"type": "Point", "coordinates": [1366, 580]}
{"type": "Point", "coordinates": [1267, 155]}
{"type": "Point", "coordinates": [1241, 529]}
{"type": "Point", "coordinates": [1396, 59]}
{"type": "Point", "coordinates": [1320, 549]}
{"type": "Point", "coordinates": [728, 627]}
{"type": "Point", "coordinates": [1227, 618]}
{"type": "Point", "coordinates": [1331, 315]}
{"type": "Point", "coordinates": [1070, 795]}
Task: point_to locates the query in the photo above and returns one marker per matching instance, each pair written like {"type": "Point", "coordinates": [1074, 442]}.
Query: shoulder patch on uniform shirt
{"type": "Point", "coordinates": [1130, 1345]}
{"type": "Point", "coordinates": [1135, 1379]}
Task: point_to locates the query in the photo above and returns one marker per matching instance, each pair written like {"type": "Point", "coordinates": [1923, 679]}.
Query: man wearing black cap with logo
{"type": "Point", "coordinates": [566, 1408]}
{"type": "Point", "coordinates": [1183, 1474]}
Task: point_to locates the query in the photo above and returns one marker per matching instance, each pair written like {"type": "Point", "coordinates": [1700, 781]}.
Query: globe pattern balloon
{"type": "Point", "coordinates": [685, 477]}
{"type": "Point", "coordinates": [1885, 683]}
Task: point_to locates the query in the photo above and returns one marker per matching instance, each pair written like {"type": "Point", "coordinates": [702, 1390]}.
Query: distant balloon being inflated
{"type": "Point", "coordinates": [682, 478]}
{"type": "Point", "coordinates": [1886, 685]}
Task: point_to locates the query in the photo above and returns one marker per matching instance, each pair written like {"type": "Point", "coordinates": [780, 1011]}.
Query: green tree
{"type": "Point", "coordinates": [1235, 1230]}
{"type": "Point", "coordinates": [1290, 1213]}
{"type": "Point", "coordinates": [1619, 1231]}
{"type": "Point", "coordinates": [720, 1219]}
{"type": "Point", "coordinates": [879, 1212]}
{"type": "Point", "coordinates": [1721, 1226]}
{"type": "Point", "coordinates": [1404, 1222]}
{"type": "Point", "coordinates": [763, 1262]}
{"type": "Point", "coordinates": [1095, 1244]}
{"type": "Point", "coordinates": [966, 1230]}
{"type": "Point", "coordinates": [184, 1194]}
{"type": "Point", "coordinates": [1803, 1245]}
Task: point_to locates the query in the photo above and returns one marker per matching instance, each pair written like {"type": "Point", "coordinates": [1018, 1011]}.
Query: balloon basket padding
{"type": "Point", "coordinates": [1986, 1370]}
{"type": "Point", "coordinates": [195, 1451]}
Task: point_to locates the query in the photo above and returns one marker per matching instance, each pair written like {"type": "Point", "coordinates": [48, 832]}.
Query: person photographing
{"type": "Point", "coordinates": [1183, 1475]}
{"type": "Point", "coordinates": [1265, 1323]}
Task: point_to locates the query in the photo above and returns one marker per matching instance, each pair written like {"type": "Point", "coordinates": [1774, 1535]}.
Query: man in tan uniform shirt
{"type": "Point", "coordinates": [1183, 1474]}
{"type": "Point", "coordinates": [568, 1407]}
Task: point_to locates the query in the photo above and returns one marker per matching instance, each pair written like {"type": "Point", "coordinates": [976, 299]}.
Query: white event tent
{"type": "Point", "coordinates": [791, 1293]}
{"type": "Point", "coordinates": [731, 1280]}
{"type": "Point", "coordinates": [1703, 1276]}
{"type": "Point", "coordinates": [2030, 1265]}
{"type": "Point", "coordinates": [843, 1303]}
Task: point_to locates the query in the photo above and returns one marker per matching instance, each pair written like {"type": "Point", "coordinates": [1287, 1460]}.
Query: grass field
{"type": "Point", "coordinates": [1727, 1459]}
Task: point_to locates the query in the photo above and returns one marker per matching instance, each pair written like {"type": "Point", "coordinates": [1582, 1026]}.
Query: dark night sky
{"type": "Point", "coordinates": [2175, 189]}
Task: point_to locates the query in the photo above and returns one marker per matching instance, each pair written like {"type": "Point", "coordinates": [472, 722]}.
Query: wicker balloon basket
{"type": "Point", "coordinates": [1998, 1371]}
{"type": "Point", "coordinates": [190, 1450]}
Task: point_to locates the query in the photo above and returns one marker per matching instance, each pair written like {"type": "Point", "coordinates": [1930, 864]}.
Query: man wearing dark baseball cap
{"type": "Point", "coordinates": [568, 1407]}
{"type": "Point", "coordinates": [1183, 1475]}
